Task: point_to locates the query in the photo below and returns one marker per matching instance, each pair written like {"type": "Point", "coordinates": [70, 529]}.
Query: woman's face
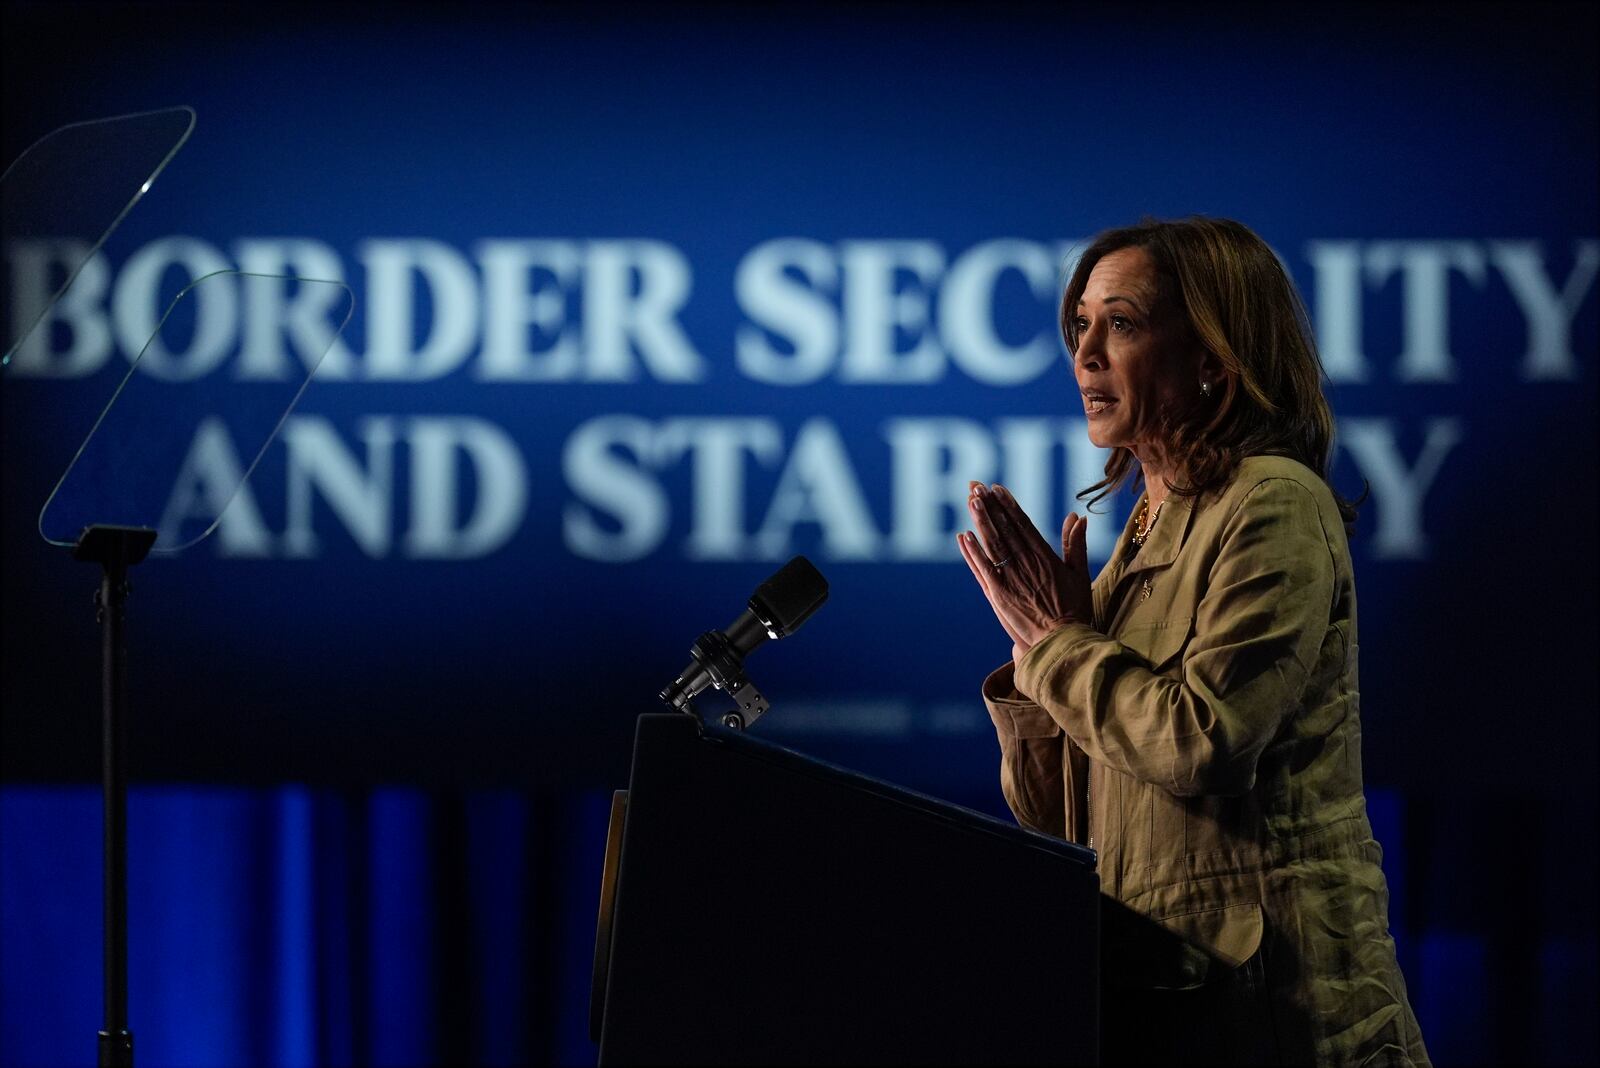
{"type": "Point", "coordinates": [1135, 359]}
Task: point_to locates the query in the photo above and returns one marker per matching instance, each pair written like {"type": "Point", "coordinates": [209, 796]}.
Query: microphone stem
{"type": "Point", "coordinates": [746, 633]}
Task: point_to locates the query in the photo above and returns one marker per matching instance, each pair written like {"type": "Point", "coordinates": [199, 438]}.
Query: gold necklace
{"type": "Point", "coordinates": [1142, 529]}
{"type": "Point", "coordinates": [1139, 537]}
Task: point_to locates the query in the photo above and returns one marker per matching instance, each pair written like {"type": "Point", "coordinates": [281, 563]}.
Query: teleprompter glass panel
{"type": "Point", "coordinates": [193, 416]}
{"type": "Point", "coordinates": [63, 197]}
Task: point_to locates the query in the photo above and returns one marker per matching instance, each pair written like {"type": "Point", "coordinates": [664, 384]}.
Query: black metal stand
{"type": "Point", "coordinates": [115, 549]}
{"type": "Point", "coordinates": [720, 658]}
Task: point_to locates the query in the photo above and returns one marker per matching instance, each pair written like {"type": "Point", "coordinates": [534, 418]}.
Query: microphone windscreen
{"type": "Point", "coordinates": [788, 598]}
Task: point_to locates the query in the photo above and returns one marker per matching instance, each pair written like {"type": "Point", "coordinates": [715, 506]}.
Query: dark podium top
{"type": "Point", "coordinates": [764, 907]}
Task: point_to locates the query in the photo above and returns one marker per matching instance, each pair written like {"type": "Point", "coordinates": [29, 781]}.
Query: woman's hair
{"type": "Point", "coordinates": [1242, 307]}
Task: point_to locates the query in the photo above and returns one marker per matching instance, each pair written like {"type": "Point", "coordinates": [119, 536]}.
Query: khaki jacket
{"type": "Point", "coordinates": [1203, 737]}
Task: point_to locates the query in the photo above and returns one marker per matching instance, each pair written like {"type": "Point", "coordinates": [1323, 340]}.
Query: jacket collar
{"type": "Point", "coordinates": [1159, 550]}
{"type": "Point", "coordinates": [1166, 537]}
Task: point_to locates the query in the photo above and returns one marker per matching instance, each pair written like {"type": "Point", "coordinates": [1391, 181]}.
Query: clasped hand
{"type": "Point", "coordinates": [1031, 589]}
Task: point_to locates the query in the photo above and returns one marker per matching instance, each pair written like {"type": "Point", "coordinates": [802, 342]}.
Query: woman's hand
{"type": "Point", "coordinates": [1031, 590]}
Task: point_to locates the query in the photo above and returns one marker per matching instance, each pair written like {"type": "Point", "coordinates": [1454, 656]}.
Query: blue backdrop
{"type": "Point", "coordinates": [646, 303]}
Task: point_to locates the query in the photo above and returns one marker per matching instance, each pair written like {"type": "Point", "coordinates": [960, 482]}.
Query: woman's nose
{"type": "Point", "coordinates": [1090, 355]}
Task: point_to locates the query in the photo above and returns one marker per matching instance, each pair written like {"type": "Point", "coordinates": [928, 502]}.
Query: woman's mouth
{"type": "Point", "coordinates": [1095, 403]}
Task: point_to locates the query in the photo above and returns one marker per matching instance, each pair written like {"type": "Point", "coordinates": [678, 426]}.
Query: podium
{"type": "Point", "coordinates": [762, 907]}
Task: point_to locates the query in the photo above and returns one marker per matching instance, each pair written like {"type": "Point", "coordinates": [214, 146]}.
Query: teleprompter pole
{"type": "Point", "coordinates": [115, 549]}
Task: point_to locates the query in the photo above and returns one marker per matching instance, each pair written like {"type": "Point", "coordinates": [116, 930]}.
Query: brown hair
{"type": "Point", "coordinates": [1242, 307]}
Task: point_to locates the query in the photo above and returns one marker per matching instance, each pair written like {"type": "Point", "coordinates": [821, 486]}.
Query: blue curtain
{"type": "Point", "coordinates": [296, 926]}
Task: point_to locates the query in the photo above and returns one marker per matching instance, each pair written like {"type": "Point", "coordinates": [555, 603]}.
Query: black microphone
{"type": "Point", "coordinates": [776, 610]}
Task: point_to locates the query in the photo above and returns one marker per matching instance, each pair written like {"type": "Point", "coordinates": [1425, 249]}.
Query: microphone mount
{"type": "Point", "coordinates": [721, 660]}
{"type": "Point", "coordinates": [777, 609]}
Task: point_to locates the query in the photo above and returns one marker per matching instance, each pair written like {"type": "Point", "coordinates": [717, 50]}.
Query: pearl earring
{"type": "Point", "coordinates": [1205, 389]}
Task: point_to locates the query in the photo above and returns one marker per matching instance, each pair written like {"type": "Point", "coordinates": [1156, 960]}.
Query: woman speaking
{"type": "Point", "coordinates": [1191, 714]}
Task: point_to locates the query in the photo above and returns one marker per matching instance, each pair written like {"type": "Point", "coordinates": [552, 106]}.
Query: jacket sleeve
{"type": "Point", "coordinates": [1030, 755]}
{"type": "Point", "coordinates": [1258, 628]}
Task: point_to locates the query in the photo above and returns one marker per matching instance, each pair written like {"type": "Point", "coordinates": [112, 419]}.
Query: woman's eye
{"type": "Point", "coordinates": [1119, 323]}
{"type": "Point", "coordinates": [1080, 324]}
